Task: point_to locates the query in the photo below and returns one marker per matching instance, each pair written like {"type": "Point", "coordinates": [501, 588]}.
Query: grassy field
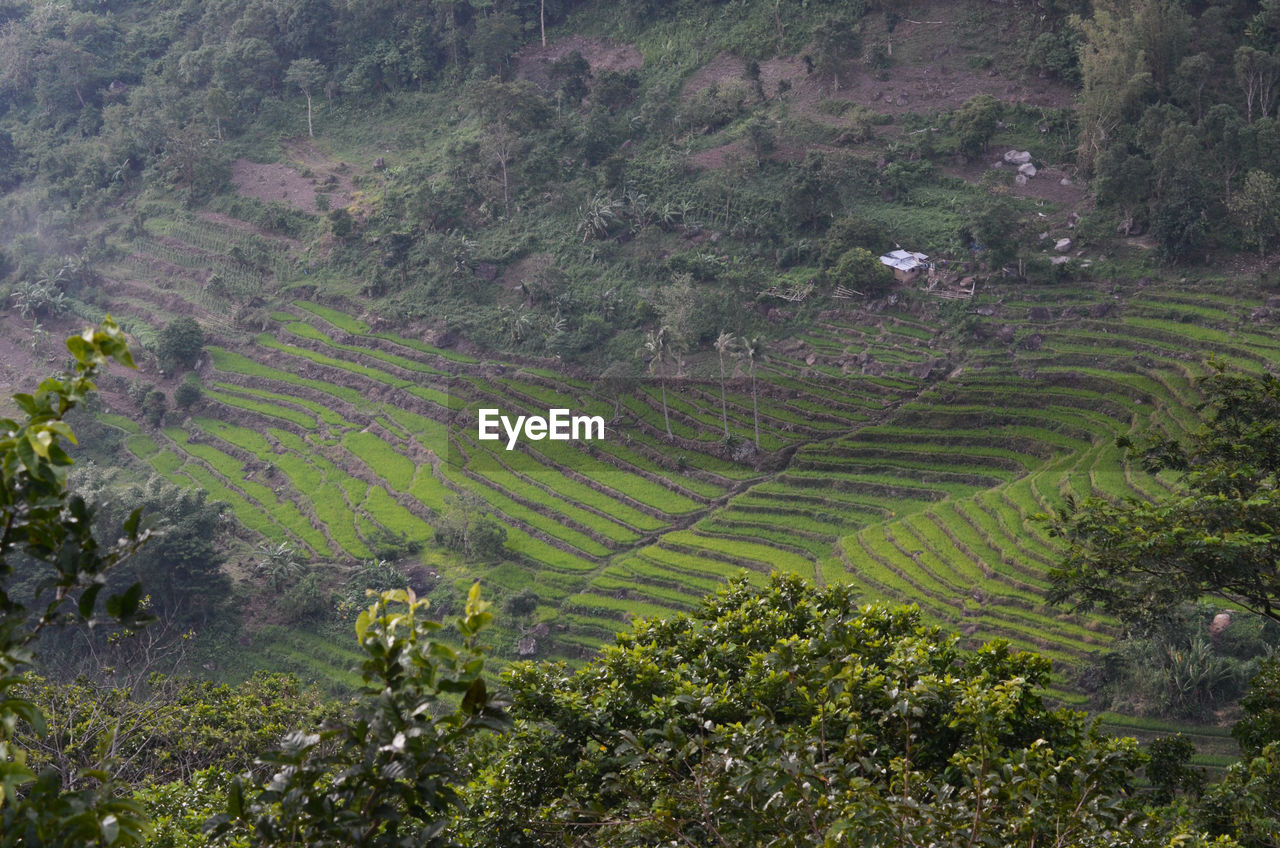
{"type": "Point", "coordinates": [913, 483]}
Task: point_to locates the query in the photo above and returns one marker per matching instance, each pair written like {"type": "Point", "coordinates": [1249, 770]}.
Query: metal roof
{"type": "Point", "coordinates": [904, 260]}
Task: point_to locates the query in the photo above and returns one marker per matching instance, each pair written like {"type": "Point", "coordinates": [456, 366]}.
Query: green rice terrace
{"type": "Point", "coordinates": [903, 451]}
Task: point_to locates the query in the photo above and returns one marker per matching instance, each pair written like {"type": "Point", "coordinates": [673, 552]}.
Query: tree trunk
{"type": "Point", "coordinates": [310, 131]}
{"type": "Point", "coordinates": [665, 417]}
{"type": "Point", "coordinates": [724, 404]}
{"type": "Point", "coordinates": [506, 201]}
{"type": "Point", "coordinates": [542, 21]}
{"type": "Point", "coordinates": [755, 403]}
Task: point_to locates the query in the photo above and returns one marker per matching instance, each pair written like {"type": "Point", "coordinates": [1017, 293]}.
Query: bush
{"type": "Point", "coordinates": [1058, 54]}
{"type": "Point", "coordinates": [521, 604]}
{"type": "Point", "coordinates": [154, 406]}
{"type": "Point", "coordinates": [305, 601]}
{"type": "Point", "coordinates": [854, 231]}
{"type": "Point", "coordinates": [187, 395]}
{"type": "Point", "coordinates": [861, 270]}
{"type": "Point", "coordinates": [180, 344]}
{"type": "Point", "coordinates": [342, 223]}
{"type": "Point", "coordinates": [138, 391]}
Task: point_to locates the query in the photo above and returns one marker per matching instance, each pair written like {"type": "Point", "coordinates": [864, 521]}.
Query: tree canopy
{"type": "Point", "coordinates": [180, 343]}
{"type": "Point", "coordinates": [1214, 535]}
{"type": "Point", "coordinates": [790, 715]}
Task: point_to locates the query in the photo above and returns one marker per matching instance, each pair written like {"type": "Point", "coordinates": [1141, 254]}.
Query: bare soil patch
{"type": "Point", "coordinates": [275, 182]}
{"type": "Point", "coordinates": [719, 157]}
{"type": "Point", "coordinates": [724, 68]}
{"type": "Point", "coordinates": [1045, 185]}
{"type": "Point", "coordinates": [332, 177]}
{"type": "Point", "coordinates": [525, 268]}
{"type": "Point", "coordinates": [22, 367]}
{"type": "Point", "coordinates": [930, 72]}
{"type": "Point", "coordinates": [921, 89]}
{"type": "Point", "coordinates": [534, 62]}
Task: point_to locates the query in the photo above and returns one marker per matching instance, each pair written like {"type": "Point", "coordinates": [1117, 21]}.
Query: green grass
{"type": "Point", "coordinates": [255, 519]}
{"type": "Point", "coordinates": [517, 511]}
{"type": "Point", "coordinates": [166, 463]}
{"type": "Point", "coordinates": [700, 487]}
{"type": "Point", "coordinates": [306, 331]}
{"type": "Point", "coordinates": [264, 408]}
{"type": "Point", "coordinates": [142, 446]}
{"type": "Point", "coordinates": [321, 411]}
{"type": "Point", "coordinates": [120, 422]}
{"type": "Point", "coordinates": [423, 347]}
{"type": "Point", "coordinates": [743, 553]}
{"type": "Point", "coordinates": [572, 490]}
{"type": "Point", "coordinates": [563, 510]}
{"type": "Point", "coordinates": [341, 320]}
{"type": "Point", "coordinates": [396, 468]}
{"type": "Point", "coordinates": [234, 363]}
{"type": "Point", "coordinates": [386, 511]}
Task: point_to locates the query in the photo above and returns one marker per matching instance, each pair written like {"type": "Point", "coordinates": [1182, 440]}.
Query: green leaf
{"type": "Point", "coordinates": [476, 698]}
{"type": "Point", "coordinates": [235, 799]}
{"type": "Point", "coordinates": [87, 599]}
{"type": "Point", "coordinates": [125, 605]}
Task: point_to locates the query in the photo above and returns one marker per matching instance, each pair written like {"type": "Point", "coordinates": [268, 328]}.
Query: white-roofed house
{"type": "Point", "coordinates": [905, 264]}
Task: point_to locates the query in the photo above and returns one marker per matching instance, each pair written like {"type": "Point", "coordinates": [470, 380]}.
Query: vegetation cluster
{"type": "Point", "coordinates": [668, 214]}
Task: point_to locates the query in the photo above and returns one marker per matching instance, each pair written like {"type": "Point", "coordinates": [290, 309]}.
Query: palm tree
{"type": "Point", "coordinates": [753, 351]}
{"type": "Point", "coordinates": [724, 344]}
{"type": "Point", "coordinates": [279, 564]}
{"type": "Point", "coordinates": [658, 347]}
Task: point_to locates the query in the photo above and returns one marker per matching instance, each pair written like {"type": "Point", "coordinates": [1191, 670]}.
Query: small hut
{"type": "Point", "coordinates": [905, 264]}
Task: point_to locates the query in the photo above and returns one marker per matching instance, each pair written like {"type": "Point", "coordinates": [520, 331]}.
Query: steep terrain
{"type": "Point", "coordinates": [505, 228]}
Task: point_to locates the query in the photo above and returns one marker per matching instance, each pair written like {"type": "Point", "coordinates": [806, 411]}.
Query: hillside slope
{"type": "Point", "coordinates": [483, 220]}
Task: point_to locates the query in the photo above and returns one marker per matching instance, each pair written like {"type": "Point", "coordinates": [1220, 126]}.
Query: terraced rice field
{"type": "Point", "coordinates": [905, 453]}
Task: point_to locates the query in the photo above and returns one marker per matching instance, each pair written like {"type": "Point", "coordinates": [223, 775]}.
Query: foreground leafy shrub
{"type": "Point", "coordinates": [790, 715]}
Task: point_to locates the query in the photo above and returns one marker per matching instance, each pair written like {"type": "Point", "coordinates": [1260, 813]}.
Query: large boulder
{"type": "Point", "coordinates": [1017, 157]}
{"type": "Point", "coordinates": [1063, 245]}
{"type": "Point", "coordinates": [1027, 169]}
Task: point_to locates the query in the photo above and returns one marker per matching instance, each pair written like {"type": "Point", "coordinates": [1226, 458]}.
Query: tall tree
{"type": "Point", "coordinates": [1257, 207]}
{"type": "Point", "coordinates": [1114, 76]}
{"type": "Point", "coordinates": [509, 113]}
{"type": "Point", "coordinates": [180, 343]}
{"type": "Point", "coordinates": [837, 43]}
{"type": "Point", "coordinates": [677, 305]}
{"type": "Point", "coordinates": [725, 343]}
{"type": "Point", "coordinates": [1258, 74]}
{"type": "Point", "coordinates": [309, 76]}
{"type": "Point", "coordinates": [753, 350]}
{"type": "Point", "coordinates": [658, 347]}
{"type": "Point", "coordinates": [975, 122]}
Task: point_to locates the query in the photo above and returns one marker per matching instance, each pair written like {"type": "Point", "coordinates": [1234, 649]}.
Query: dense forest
{"type": "Point", "coordinates": [331, 231]}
